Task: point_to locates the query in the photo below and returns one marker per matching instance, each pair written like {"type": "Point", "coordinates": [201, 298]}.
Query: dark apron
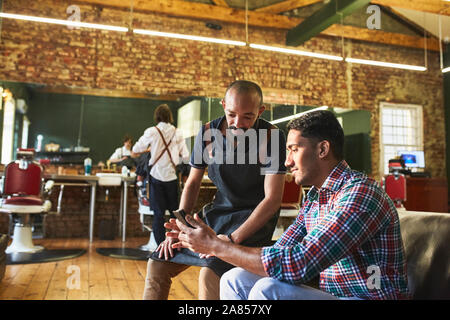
{"type": "Point", "coordinates": [240, 188]}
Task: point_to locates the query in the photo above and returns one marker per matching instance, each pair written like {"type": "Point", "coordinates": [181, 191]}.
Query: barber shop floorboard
{"type": "Point", "coordinates": [100, 277]}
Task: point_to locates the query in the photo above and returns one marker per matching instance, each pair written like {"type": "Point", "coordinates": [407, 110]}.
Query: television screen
{"type": "Point", "coordinates": [413, 159]}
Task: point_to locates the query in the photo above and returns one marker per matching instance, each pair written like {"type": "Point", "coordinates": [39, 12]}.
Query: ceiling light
{"type": "Point", "coordinates": [188, 37]}
{"type": "Point", "coordinates": [386, 64]}
{"type": "Point", "coordinates": [62, 22]}
{"type": "Point", "coordinates": [298, 115]}
{"type": "Point", "coordinates": [297, 52]}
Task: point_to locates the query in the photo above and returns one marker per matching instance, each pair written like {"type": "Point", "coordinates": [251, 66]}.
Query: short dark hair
{"type": "Point", "coordinates": [126, 138]}
{"type": "Point", "coordinates": [245, 86]}
{"type": "Point", "coordinates": [321, 125]}
{"type": "Point", "coordinates": [163, 114]}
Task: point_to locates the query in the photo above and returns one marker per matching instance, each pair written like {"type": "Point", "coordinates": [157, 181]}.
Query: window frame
{"type": "Point", "coordinates": [419, 130]}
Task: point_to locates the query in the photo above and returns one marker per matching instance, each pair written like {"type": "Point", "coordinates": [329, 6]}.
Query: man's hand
{"type": "Point", "coordinates": [221, 237]}
{"type": "Point", "coordinates": [201, 239]}
{"type": "Point", "coordinates": [165, 247]}
{"type": "Point", "coordinates": [174, 230]}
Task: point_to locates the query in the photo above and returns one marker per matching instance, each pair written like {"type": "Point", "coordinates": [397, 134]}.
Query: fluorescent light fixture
{"type": "Point", "coordinates": [386, 64]}
{"type": "Point", "coordinates": [187, 37]}
{"type": "Point", "coordinates": [297, 52]}
{"type": "Point", "coordinates": [297, 115]}
{"type": "Point", "coordinates": [446, 69]}
{"type": "Point", "coordinates": [62, 22]}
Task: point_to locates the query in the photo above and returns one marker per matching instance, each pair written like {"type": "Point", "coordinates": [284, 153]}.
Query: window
{"type": "Point", "coordinates": [9, 112]}
{"type": "Point", "coordinates": [401, 129]}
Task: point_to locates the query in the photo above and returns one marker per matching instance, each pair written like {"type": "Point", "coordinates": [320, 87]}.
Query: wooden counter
{"type": "Point", "coordinates": [426, 194]}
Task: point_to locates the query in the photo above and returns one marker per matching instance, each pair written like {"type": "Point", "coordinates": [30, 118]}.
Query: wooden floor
{"type": "Point", "coordinates": [102, 278]}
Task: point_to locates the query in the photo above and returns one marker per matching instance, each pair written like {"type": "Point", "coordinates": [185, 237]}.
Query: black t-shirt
{"type": "Point", "coordinates": [257, 143]}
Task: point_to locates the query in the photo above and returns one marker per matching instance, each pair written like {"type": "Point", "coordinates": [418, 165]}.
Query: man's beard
{"type": "Point", "coordinates": [234, 128]}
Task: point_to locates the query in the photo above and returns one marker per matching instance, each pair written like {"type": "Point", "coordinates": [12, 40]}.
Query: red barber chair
{"type": "Point", "coordinates": [290, 205]}
{"type": "Point", "coordinates": [23, 196]}
{"type": "Point", "coordinates": [394, 185]}
{"type": "Point", "coordinates": [292, 194]}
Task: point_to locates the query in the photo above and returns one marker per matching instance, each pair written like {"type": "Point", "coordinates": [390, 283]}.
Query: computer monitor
{"type": "Point", "coordinates": [413, 159]}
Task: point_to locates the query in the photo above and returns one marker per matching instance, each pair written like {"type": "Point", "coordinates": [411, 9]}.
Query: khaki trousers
{"type": "Point", "coordinates": [159, 279]}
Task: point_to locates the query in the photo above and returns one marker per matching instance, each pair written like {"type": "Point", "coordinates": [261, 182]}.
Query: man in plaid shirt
{"type": "Point", "coordinates": [347, 231]}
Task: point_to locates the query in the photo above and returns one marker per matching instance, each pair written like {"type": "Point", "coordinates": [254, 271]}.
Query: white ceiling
{"type": "Point", "coordinates": [428, 21]}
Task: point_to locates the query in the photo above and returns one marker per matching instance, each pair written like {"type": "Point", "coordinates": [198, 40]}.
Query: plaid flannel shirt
{"type": "Point", "coordinates": [349, 233]}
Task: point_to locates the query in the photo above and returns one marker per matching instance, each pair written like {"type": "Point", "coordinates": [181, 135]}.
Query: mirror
{"type": "Point", "coordinates": [95, 121]}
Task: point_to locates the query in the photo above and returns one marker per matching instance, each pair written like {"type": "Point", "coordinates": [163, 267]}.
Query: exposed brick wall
{"type": "Point", "coordinates": [56, 55]}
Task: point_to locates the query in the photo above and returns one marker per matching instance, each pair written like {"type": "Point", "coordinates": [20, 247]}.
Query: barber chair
{"type": "Point", "coordinates": [24, 197]}
{"type": "Point", "coordinates": [394, 184]}
{"type": "Point", "coordinates": [151, 245]}
{"type": "Point", "coordinates": [292, 194]}
{"type": "Point", "coordinates": [290, 205]}
{"type": "Point", "coordinates": [143, 252]}
{"type": "Point", "coordinates": [144, 204]}
{"type": "Point", "coordinates": [144, 211]}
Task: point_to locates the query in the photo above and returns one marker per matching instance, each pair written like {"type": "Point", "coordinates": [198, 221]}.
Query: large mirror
{"type": "Point", "coordinates": [85, 122]}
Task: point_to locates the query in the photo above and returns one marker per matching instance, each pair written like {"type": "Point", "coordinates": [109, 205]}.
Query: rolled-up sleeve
{"type": "Point", "coordinates": [116, 154]}
{"type": "Point", "coordinates": [357, 215]}
{"type": "Point", "coordinates": [274, 257]}
{"type": "Point", "coordinates": [144, 141]}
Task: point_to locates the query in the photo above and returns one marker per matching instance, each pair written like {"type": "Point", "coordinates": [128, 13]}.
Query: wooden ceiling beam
{"type": "Point", "coordinates": [330, 14]}
{"type": "Point", "coordinates": [431, 6]}
{"type": "Point", "coordinates": [221, 3]}
{"type": "Point", "coordinates": [201, 11]}
{"type": "Point", "coordinates": [286, 6]}
{"type": "Point", "coordinates": [104, 93]}
{"type": "Point", "coordinates": [260, 19]}
{"type": "Point", "coordinates": [383, 37]}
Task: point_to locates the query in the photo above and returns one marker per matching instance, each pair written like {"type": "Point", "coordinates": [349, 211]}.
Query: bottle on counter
{"type": "Point", "coordinates": [87, 166]}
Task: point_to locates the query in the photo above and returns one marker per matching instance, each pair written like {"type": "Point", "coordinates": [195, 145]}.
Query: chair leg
{"type": "Point", "coordinates": [151, 245]}
{"type": "Point", "coordinates": [22, 238]}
